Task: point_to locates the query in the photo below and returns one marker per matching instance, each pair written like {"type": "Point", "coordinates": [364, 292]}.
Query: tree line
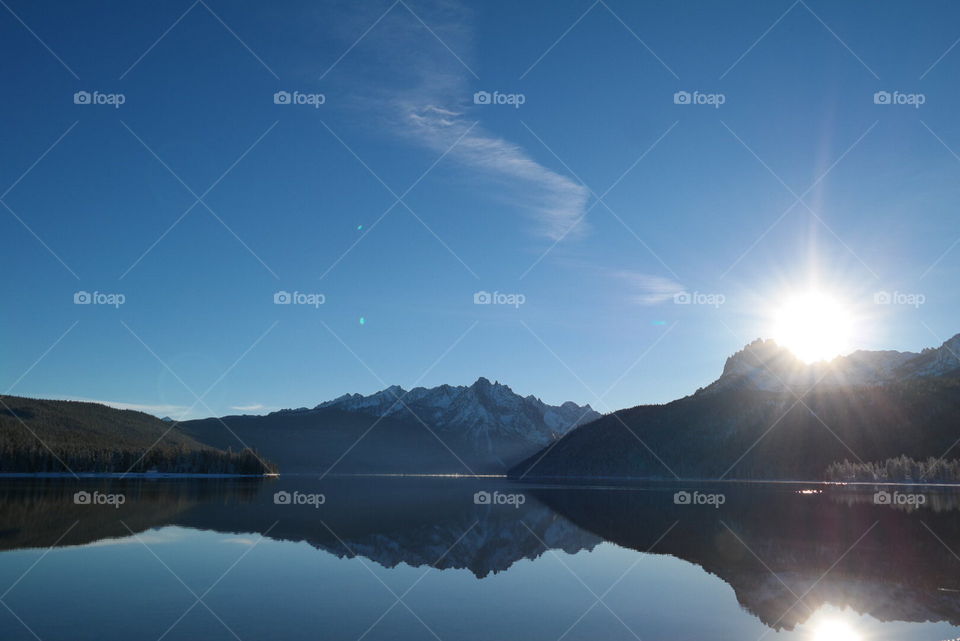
{"type": "Point", "coordinates": [44, 436]}
{"type": "Point", "coordinates": [900, 469]}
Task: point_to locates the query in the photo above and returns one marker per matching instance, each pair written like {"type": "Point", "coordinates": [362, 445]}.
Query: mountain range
{"type": "Point", "coordinates": [481, 428]}
{"type": "Point", "coordinates": [413, 521]}
{"type": "Point", "coordinates": [769, 415]}
{"type": "Point", "coordinates": [773, 544]}
{"type": "Point", "coordinates": [484, 411]}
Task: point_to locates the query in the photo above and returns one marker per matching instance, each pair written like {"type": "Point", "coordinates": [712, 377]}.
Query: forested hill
{"type": "Point", "coordinates": [881, 415]}
{"type": "Point", "coordinates": [44, 436]}
{"type": "Point", "coordinates": [744, 433]}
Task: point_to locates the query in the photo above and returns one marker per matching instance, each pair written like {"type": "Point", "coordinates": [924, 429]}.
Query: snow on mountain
{"type": "Point", "coordinates": [934, 362]}
{"type": "Point", "coordinates": [480, 411]}
{"type": "Point", "coordinates": [494, 543]}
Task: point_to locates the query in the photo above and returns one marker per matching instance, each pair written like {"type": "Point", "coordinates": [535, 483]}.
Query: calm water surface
{"type": "Point", "coordinates": [405, 558]}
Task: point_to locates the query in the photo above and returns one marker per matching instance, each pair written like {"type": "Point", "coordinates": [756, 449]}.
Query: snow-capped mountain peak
{"type": "Point", "coordinates": [483, 410]}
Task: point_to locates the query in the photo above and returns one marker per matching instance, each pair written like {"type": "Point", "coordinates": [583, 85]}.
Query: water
{"type": "Point", "coordinates": [409, 558]}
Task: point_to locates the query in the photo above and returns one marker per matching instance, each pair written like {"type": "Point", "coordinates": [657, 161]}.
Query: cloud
{"type": "Point", "coordinates": [647, 289]}
{"type": "Point", "coordinates": [256, 407]}
{"type": "Point", "coordinates": [555, 201]}
{"type": "Point", "coordinates": [416, 81]}
{"type": "Point", "coordinates": [173, 411]}
{"type": "Point", "coordinates": [176, 412]}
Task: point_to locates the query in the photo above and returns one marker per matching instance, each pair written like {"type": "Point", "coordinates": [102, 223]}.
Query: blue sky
{"type": "Point", "coordinates": [596, 200]}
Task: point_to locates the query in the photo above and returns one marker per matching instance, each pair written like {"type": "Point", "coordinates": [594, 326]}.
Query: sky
{"type": "Point", "coordinates": [217, 208]}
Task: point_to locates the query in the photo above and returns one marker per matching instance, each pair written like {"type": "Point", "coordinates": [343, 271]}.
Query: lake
{"type": "Point", "coordinates": [448, 559]}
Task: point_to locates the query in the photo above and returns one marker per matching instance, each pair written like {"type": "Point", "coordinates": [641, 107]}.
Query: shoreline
{"type": "Point", "coordinates": [637, 481]}
{"type": "Point", "coordinates": [126, 475]}
{"type": "Point", "coordinates": [599, 482]}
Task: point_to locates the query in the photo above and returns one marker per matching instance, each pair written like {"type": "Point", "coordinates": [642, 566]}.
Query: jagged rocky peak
{"type": "Point", "coordinates": [934, 361]}
{"type": "Point", "coordinates": [763, 365]}
{"type": "Point", "coordinates": [759, 354]}
{"type": "Point", "coordinates": [481, 408]}
{"type": "Point", "coordinates": [950, 352]}
{"type": "Point", "coordinates": [483, 386]}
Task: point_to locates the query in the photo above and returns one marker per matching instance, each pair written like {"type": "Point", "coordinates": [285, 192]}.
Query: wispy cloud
{"type": "Point", "coordinates": [425, 96]}
{"type": "Point", "coordinates": [173, 411]}
{"type": "Point", "coordinates": [255, 407]}
{"type": "Point", "coordinates": [647, 289]}
{"type": "Point", "coordinates": [176, 412]}
{"type": "Point", "coordinates": [555, 201]}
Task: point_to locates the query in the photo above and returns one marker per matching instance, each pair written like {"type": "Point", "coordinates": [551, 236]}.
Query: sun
{"type": "Point", "coordinates": [814, 325]}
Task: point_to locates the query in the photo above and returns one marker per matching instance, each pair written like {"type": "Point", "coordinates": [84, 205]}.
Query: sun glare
{"type": "Point", "coordinates": [835, 631]}
{"type": "Point", "coordinates": [813, 325]}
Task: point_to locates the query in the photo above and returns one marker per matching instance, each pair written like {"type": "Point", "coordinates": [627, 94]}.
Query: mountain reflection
{"type": "Point", "coordinates": [785, 554]}
{"type": "Point", "coordinates": [773, 546]}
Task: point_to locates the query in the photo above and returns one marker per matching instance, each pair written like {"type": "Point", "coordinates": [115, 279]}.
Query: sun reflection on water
{"type": "Point", "coordinates": [835, 631]}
